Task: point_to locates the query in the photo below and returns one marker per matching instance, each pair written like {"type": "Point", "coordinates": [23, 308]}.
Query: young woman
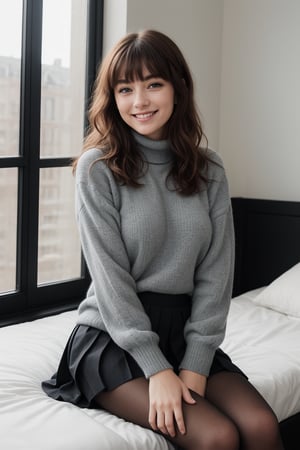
{"type": "Point", "coordinates": [155, 223]}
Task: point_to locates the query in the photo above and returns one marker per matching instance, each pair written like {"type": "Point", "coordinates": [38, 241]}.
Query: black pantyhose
{"type": "Point", "coordinates": [239, 400]}
{"type": "Point", "coordinates": [233, 416]}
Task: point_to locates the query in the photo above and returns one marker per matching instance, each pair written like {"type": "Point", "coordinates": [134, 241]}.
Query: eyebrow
{"type": "Point", "coordinates": [148, 77]}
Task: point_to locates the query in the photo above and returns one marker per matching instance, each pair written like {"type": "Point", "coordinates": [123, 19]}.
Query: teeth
{"type": "Point", "coordinates": [143, 116]}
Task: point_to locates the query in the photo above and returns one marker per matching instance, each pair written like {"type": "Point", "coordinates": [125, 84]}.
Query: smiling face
{"type": "Point", "coordinates": [145, 104]}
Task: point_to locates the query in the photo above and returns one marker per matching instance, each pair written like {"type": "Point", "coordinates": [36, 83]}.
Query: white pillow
{"type": "Point", "coordinates": [283, 294]}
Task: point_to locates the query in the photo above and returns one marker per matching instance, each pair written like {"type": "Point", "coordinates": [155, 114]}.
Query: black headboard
{"type": "Point", "coordinates": [267, 240]}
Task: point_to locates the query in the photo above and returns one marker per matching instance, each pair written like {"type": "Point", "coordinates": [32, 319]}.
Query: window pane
{"type": "Point", "coordinates": [59, 256]}
{"type": "Point", "coordinates": [63, 77]}
{"type": "Point", "coordinates": [10, 66]}
{"type": "Point", "coordinates": [8, 228]}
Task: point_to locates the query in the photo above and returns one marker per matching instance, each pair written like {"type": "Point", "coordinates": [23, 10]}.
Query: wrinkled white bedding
{"type": "Point", "coordinates": [265, 344]}
{"type": "Point", "coordinates": [30, 420]}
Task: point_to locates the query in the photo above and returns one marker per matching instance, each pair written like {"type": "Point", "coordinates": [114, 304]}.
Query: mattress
{"type": "Point", "coordinates": [265, 345]}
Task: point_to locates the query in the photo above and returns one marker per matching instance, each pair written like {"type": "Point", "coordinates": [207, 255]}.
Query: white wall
{"type": "Point", "coordinates": [114, 22]}
{"type": "Point", "coordinates": [260, 98]}
{"type": "Point", "coordinates": [196, 26]}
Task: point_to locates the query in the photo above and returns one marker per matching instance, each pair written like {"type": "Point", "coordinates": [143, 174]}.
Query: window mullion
{"type": "Point", "coordinates": [94, 46]}
{"type": "Point", "coordinates": [29, 148]}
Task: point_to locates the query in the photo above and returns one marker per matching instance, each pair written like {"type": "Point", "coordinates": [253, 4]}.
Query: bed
{"type": "Point", "coordinates": [262, 340]}
{"type": "Point", "coordinates": [267, 245]}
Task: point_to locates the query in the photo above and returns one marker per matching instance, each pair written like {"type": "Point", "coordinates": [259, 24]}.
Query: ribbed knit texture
{"type": "Point", "coordinates": [154, 239]}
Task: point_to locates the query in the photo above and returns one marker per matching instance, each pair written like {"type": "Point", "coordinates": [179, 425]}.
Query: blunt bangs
{"type": "Point", "coordinates": [130, 63]}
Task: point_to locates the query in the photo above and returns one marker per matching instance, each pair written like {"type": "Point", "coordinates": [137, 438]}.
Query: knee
{"type": "Point", "coordinates": [223, 436]}
{"type": "Point", "coordinates": [263, 427]}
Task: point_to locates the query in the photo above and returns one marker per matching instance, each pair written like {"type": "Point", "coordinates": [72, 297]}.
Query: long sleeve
{"type": "Point", "coordinates": [213, 279]}
{"type": "Point", "coordinates": [113, 289]}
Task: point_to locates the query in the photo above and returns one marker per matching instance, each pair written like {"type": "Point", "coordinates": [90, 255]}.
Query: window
{"type": "Point", "coordinates": [49, 51]}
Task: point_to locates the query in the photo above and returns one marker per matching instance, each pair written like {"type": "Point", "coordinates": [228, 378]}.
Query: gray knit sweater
{"type": "Point", "coordinates": [154, 239]}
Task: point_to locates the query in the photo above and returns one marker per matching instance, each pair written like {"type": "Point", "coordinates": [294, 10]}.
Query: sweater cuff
{"type": "Point", "coordinates": [150, 359]}
{"type": "Point", "coordinates": [198, 358]}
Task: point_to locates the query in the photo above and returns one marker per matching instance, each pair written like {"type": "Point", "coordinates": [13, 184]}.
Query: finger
{"type": "Point", "coordinates": [179, 420]}
{"type": "Point", "coordinates": [187, 396]}
{"type": "Point", "coordinates": [169, 423]}
{"type": "Point", "coordinates": [152, 418]}
{"type": "Point", "coordinates": [160, 421]}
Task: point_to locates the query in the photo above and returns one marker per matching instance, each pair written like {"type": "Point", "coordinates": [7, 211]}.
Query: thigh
{"type": "Point", "coordinates": [204, 423]}
{"type": "Point", "coordinates": [242, 403]}
{"type": "Point", "coordinates": [233, 394]}
{"type": "Point", "coordinates": [130, 401]}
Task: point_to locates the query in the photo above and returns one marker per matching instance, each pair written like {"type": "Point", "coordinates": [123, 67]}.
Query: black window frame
{"type": "Point", "coordinates": [31, 300]}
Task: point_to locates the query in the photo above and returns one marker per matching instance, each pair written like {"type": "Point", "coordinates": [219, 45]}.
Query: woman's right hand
{"type": "Point", "coordinates": [166, 392]}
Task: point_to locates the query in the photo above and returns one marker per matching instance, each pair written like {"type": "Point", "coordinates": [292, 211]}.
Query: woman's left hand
{"type": "Point", "coordinates": [194, 381]}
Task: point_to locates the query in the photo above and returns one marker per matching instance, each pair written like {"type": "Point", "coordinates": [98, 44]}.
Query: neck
{"type": "Point", "coordinates": [154, 152]}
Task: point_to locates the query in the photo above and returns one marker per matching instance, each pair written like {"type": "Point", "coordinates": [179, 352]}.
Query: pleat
{"type": "Point", "coordinates": [91, 363]}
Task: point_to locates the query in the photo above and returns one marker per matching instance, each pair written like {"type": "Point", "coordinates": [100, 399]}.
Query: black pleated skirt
{"type": "Point", "coordinates": [92, 362]}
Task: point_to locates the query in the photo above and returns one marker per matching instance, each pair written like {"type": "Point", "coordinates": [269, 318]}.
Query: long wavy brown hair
{"type": "Point", "coordinates": [107, 131]}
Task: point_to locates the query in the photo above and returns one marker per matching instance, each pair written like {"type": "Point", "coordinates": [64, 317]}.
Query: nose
{"type": "Point", "coordinates": [141, 98]}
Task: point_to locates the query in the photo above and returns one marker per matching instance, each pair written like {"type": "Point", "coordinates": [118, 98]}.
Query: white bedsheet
{"type": "Point", "coordinates": [265, 344]}
{"type": "Point", "coordinates": [30, 420]}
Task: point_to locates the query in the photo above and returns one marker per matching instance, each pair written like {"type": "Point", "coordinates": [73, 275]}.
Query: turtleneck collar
{"type": "Point", "coordinates": [154, 152]}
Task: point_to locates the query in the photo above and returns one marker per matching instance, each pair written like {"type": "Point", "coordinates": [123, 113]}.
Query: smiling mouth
{"type": "Point", "coordinates": [144, 116]}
